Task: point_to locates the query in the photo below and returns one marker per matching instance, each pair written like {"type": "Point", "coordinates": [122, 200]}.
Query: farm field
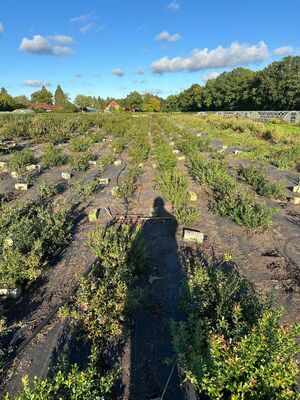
{"type": "Point", "coordinates": [102, 288]}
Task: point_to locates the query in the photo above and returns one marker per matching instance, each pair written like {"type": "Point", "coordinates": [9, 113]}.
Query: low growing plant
{"type": "Point", "coordinates": [257, 178]}
{"type": "Point", "coordinates": [53, 156]}
{"type": "Point", "coordinates": [232, 345]}
{"type": "Point", "coordinates": [30, 235]}
{"type": "Point", "coordinates": [47, 188]}
{"type": "Point", "coordinates": [73, 383]}
{"type": "Point", "coordinates": [80, 161]}
{"type": "Point", "coordinates": [85, 188]}
{"type": "Point", "coordinates": [129, 184]}
{"type": "Point", "coordinates": [173, 185]}
{"type": "Point", "coordinates": [105, 298]}
{"type": "Point", "coordinates": [20, 159]}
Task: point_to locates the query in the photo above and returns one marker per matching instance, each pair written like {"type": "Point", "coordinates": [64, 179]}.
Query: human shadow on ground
{"type": "Point", "coordinates": [151, 340]}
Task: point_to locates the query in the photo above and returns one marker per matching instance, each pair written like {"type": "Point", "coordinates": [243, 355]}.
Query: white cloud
{"type": "Point", "coordinates": [82, 18]}
{"type": "Point", "coordinates": [174, 6]}
{"type": "Point", "coordinates": [118, 71]}
{"type": "Point", "coordinates": [86, 28]}
{"type": "Point", "coordinates": [212, 75]}
{"type": "Point", "coordinates": [46, 45]}
{"type": "Point", "coordinates": [62, 39]}
{"type": "Point", "coordinates": [280, 51]}
{"type": "Point", "coordinates": [1, 28]}
{"type": "Point", "coordinates": [166, 36]}
{"type": "Point", "coordinates": [220, 57]}
{"type": "Point", "coordinates": [87, 22]}
{"type": "Point", "coordinates": [139, 71]}
{"type": "Point", "coordinates": [34, 83]}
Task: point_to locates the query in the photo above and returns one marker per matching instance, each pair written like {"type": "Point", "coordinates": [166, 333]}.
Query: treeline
{"type": "Point", "coordinates": [276, 87]}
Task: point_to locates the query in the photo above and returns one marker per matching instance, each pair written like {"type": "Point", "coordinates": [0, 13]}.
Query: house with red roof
{"type": "Point", "coordinates": [113, 106]}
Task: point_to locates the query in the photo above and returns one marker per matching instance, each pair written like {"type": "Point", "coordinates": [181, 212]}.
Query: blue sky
{"type": "Point", "coordinates": [106, 48]}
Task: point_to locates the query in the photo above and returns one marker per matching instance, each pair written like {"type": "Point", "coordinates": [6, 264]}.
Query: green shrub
{"type": "Point", "coordinates": [243, 210]}
{"type": "Point", "coordinates": [29, 236]}
{"type": "Point", "coordinates": [85, 188]}
{"type": "Point", "coordinates": [72, 383]}
{"type": "Point", "coordinates": [212, 174]}
{"type": "Point", "coordinates": [107, 160]}
{"type": "Point", "coordinates": [173, 185]}
{"type": "Point", "coordinates": [257, 178]}
{"type": "Point", "coordinates": [80, 161]}
{"type": "Point", "coordinates": [53, 156]}
{"type": "Point", "coordinates": [20, 159]}
{"type": "Point", "coordinates": [103, 299]}
{"type": "Point", "coordinates": [186, 214]}
{"type": "Point", "coordinates": [80, 144]}
{"type": "Point", "coordinates": [232, 345]}
{"type": "Point", "coordinates": [47, 188]}
{"type": "Point", "coordinates": [139, 148]}
{"type": "Point", "coordinates": [129, 184]}
{"type": "Point", "coordinates": [228, 201]}
{"type": "Point", "coordinates": [163, 154]}
{"type": "Point", "coordinates": [287, 158]}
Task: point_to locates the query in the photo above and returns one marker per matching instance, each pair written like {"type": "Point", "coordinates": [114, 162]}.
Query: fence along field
{"type": "Point", "coordinates": [94, 207]}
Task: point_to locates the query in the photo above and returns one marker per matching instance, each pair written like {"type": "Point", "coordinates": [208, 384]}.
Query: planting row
{"type": "Point", "coordinates": [232, 345]}
{"type": "Point", "coordinates": [97, 315]}
{"type": "Point", "coordinates": [229, 199]}
{"type": "Point", "coordinates": [277, 144]}
{"type": "Point", "coordinates": [172, 182]}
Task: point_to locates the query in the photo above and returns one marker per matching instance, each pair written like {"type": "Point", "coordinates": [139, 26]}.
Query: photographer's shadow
{"type": "Point", "coordinates": [151, 340]}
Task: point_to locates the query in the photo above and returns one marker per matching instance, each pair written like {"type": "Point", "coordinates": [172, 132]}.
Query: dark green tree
{"type": "Point", "coordinates": [277, 87]}
{"type": "Point", "coordinates": [60, 97]}
{"type": "Point", "coordinates": [7, 102]}
{"type": "Point", "coordinates": [191, 99]}
{"type": "Point", "coordinates": [134, 100]}
{"type": "Point", "coordinates": [229, 91]}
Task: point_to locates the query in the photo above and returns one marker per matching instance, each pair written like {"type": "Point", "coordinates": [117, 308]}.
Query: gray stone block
{"type": "Point", "coordinates": [66, 175]}
{"type": "Point", "coordinates": [191, 235]}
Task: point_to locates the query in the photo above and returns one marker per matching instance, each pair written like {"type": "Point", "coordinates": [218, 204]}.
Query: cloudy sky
{"type": "Point", "coordinates": [111, 48]}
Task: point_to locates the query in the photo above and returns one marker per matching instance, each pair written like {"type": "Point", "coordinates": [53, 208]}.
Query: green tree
{"type": "Point", "coordinates": [83, 101]}
{"type": "Point", "coordinates": [171, 104]}
{"type": "Point", "coordinates": [277, 87]}
{"type": "Point", "coordinates": [21, 101]}
{"type": "Point", "coordinates": [134, 100]}
{"type": "Point", "coordinates": [7, 102]}
{"type": "Point", "coordinates": [42, 96]}
{"type": "Point", "coordinates": [60, 97]}
{"type": "Point", "coordinates": [229, 91]}
{"type": "Point", "coordinates": [191, 99]}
